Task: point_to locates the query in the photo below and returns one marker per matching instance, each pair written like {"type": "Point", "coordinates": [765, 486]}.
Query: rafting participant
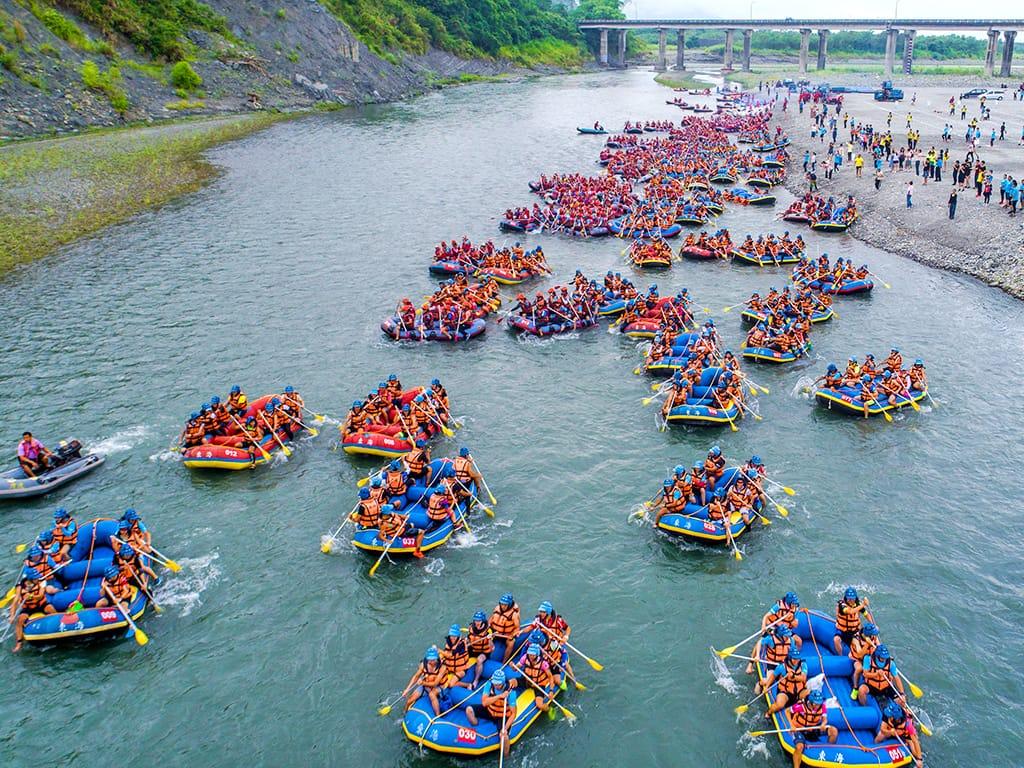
{"type": "Point", "coordinates": [33, 456]}
{"type": "Point", "coordinates": [714, 467]}
{"type": "Point", "coordinates": [65, 532]}
{"type": "Point", "coordinates": [533, 665]}
{"type": "Point", "coordinates": [237, 403]}
{"type": "Point", "coordinates": [498, 704]}
{"type": "Point", "coordinates": [717, 509]}
{"type": "Point", "coordinates": [896, 724]}
{"type": "Point", "coordinates": [869, 367]}
{"type": "Point", "coordinates": [848, 619]}
{"type": "Point", "coordinates": [680, 391]}
{"type": "Point", "coordinates": [252, 438]}
{"type": "Point", "coordinates": [30, 597]}
{"type": "Point", "coordinates": [863, 644]}
{"type": "Point", "coordinates": [116, 581]}
{"type": "Point", "coordinates": [356, 420]}
{"type": "Point", "coordinates": [480, 638]}
{"type": "Point", "coordinates": [851, 375]}
{"type": "Point", "coordinates": [429, 678]}
{"type": "Point", "coordinates": [195, 432]}
{"type": "Point", "coordinates": [737, 498]}
{"type": "Point", "coordinates": [550, 622]}
{"type": "Point", "coordinates": [396, 482]}
{"type": "Point", "coordinates": [46, 542]}
{"type": "Point", "coordinates": [293, 403]}
{"type": "Point", "coordinates": [392, 524]}
{"type": "Point", "coordinates": [917, 378]}
{"type": "Point", "coordinates": [504, 622]}
{"type": "Point", "coordinates": [219, 416]}
{"type": "Point", "coordinates": [791, 676]}
{"type": "Point", "coordinates": [129, 561]}
{"type": "Point", "coordinates": [138, 535]}
{"type": "Point", "coordinates": [672, 502]}
{"type": "Point", "coordinates": [367, 511]}
{"type": "Point", "coordinates": [880, 677]}
{"type": "Point", "coordinates": [810, 722]}
{"type": "Point", "coordinates": [440, 396]}
{"type": "Point", "coordinates": [868, 394]}
{"type": "Point", "coordinates": [455, 655]}
{"type": "Point", "coordinates": [440, 507]}
{"type": "Point", "coordinates": [894, 362]}
{"type": "Point", "coordinates": [784, 612]}
{"type": "Point", "coordinates": [776, 649]}
{"type": "Point", "coordinates": [684, 482]}
{"type": "Point", "coordinates": [269, 418]}
{"type": "Point", "coordinates": [417, 464]}
{"type": "Point", "coordinates": [41, 561]}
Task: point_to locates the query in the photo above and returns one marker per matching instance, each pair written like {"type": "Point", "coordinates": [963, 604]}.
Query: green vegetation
{"type": "Point", "coordinates": [680, 80]}
{"type": "Point", "coordinates": [184, 78]}
{"type": "Point", "coordinates": [184, 104]}
{"type": "Point", "coordinates": [282, 14]}
{"type": "Point", "coordinates": [522, 29]}
{"type": "Point", "coordinates": [107, 83]}
{"type": "Point", "coordinates": [42, 203]}
{"type": "Point", "coordinates": [49, 50]}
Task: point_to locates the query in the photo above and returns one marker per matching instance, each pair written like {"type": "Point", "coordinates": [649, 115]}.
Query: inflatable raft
{"type": "Point", "coordinates": [847, 399]}
{"type": "Point", "coordinates": [693, 522]}
{"type": "Point", "coordinates": [766, 355]}
{"type": "Point", "coordinates": [413, 504]}
{"type": "Point", "coordinates": [15, 484]}
{"type": "Point", "coordinates": [691, 220]}
{"type": "Point", "coordinates": [453, 733]}
{"type": "Point", "coordinates": [755, 198]}
{"type": "Point", "coordinates": [619, 225]}
{"type": "Point", "coordinates": [857, 725]}
{"type": "Point", "coordinates": [612, 306]}
{"type": "Point", "coordinates": [722, 176]}
{"type": "Point", "coordinates": [388, 442]}
{"type": "Point", "coordinates": [746, 257]}
{"type": "Point", "coordinates": [758, 183]}
{"type": "Point", "coordinates": [797, 217]}
{"type": "Point", "coordinates": [701, 409]}
{"type": "Point", "coordinates": [846, 288]}
{"type": "Point", "coordinates": [524, 324]}
{"type": "Point", "coordinates": [393, 328]}
{"type": "Point", "coordinates": [592, 131]}
{"type": "Point", "coordinates": [697, 253]}
{"type": "Point", "coordinates": [830, 225]}
{"type": "Point", "coordinates": [79, 584]}
{"type": "Point", "coordinates": [818, 316]}
{"type": "Point", "coordinates": [225, 451]}
{"type": "Point", "coordinates": [450, 268]}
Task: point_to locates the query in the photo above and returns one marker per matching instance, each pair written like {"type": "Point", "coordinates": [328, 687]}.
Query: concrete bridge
{"type": "Point", "coordinates": [891, 27]}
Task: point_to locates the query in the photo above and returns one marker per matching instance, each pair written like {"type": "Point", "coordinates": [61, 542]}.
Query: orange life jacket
{"type": "Point", "coordinates": [876, 677]}
{"type": "Point", "coordinates": [394, 481]}
{"type": "Point", "coordinates": [505, 622]}
{"type": "Point", "coordinates": [538, 671]}
{"type": "Point", "coordinates": [368, 514]}
{"type": "Point", "coordinates": [432, 679]}
{"type": "Point", "coordinates": [777, 652]}
{"type": "Point", "coordinates": [391, 526]}
{"type": "Point", "coordinates": [479, 638]}
{"type": "Point", "coordinates": [42, 565]}
{"type": "Point", "coordinates": [455, 657]}
{"type": "Point", "coordinates": [794, 681]}
{"type": "Point", "coordinates": [900, 726]}
{"type": "Point", "coordinates": [500, 707]}
{"type": "Point", "coordinates": [34, 599]}
{"type": "Point", "coordinates": [848, 620]}
{"type": "Point", "coordinates": [65, 535]}
{"type": "Point", "coordinates": [435, 511]}
{"type": "Point", "coordinates": [463, 469]}
{"type": "Point", "coordinates": [416, 461]}
{"type": "Point", "coordinates": [810, 716]}
{"type": "Point", "coordinates": [862, 646]}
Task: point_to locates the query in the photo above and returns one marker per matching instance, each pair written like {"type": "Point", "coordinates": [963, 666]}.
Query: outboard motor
{"type": "Point", "coordinates": [68, 450]}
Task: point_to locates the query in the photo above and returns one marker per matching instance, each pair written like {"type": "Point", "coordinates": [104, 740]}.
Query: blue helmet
{"type": "Point", "coordinates": [752, 474]}
{"type": "Point", "coordinates": [392, 377]}
{"type": "Point", "coordinates": [130, 515]}
{"type": "Point", "coordinates": [715, 451]}
{"type": "Point", "coordinates": [781, 630]}
{"type": "Point", "coordinates": [364, 493]}
{"type": "Point", "coordinates": [387, 509]}
{"type": "Point", "coordinates": [431, 654]}
{"type": "Point", "coordinates": [479, 616]}
{"type": "Point", "coordinates": [816, 697]}
{"type": "Point", "coordinates": [698, 465]}
{"type": "Point", "coordinates": [832, 368]}
{"type": "Point", "coordinates": [421, 443]}
{"type": "Point", "coordinates": [533, 650]}
{"type": "Point", "coordinates": [850, 594]}
{"type": "Point", "coordinates": [545, 607]}
{"type": "Point", "coordinates": [382, 385]}
{"type": "Point", "coordinates": [60, 514]}
{"type": "Point", "coordinates": [435, 382]}
{"type": "Point", "coordinates": [454, 631]}
{"type": "Point", "coordinates": [893, 711]}
{"type": "Point", "coordinates": [215, 400]}
{"type": "Point", "coordinates": [194, 415]}
{"type": "Point", "coordinates": [357, 403]}
{"type": "Point", "coordinates": [791, 599]}
{"type": "Point", "coordinates": [123, 525]}
{"type": "Point", "coordinates": [794, 653]}
{"type": "Point", "coordinates": [269, 407]}
{"type": "Point", "coordinates": [275, 400]}
{"type": "Point", "coordinates": [289, 389]}
{"type": "Point", "coordinates": [236, 390]}
{"type": "Point", "coordinates": [679, 469]}
{"type": "Point", "coordinates": [537, 636]}
{"type": "Point", "coordinates": [376, 482]}
{"type": "Point", "coordinates": [31, 574]}
{"type": "Point", "coordinates": [755, 460]}
{"type": "Point", "coordinates": [720, 493]}
{"type": "Point", "coordinates": [506, 599]}
{"type": "Point", "coordinates": [126, 550]}
{"type": "Point", "coordinates": [463, 451]}
{"type": "Point", "coordinates": [498, 678]}
{"type": "Point", "coordinates": [895, 350]}
{"type": "Point", "coordinates": [882, 652]}
{"type": "Point", "coordinates": [45, 537]}
{"type": "Point", "coordinates": [919, 361]}
{"type": "Point", "coordinates": [112, 572]}
{"type": "Point", "coordinates": [668, 482]}
{"type": "Point", "coordinates": [204, 407]}
{"type": "Point", "coordinates": [418, 398]}
{"type": "Point", "coordinates": [869, 630]}
{"type": "Point", "coordinates": [395, 464]}
{"type": "Point", "coordinates": [35, 551]}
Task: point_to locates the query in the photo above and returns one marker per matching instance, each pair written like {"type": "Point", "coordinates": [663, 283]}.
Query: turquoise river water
{"type": "Point", "coordinates": [272, 653]}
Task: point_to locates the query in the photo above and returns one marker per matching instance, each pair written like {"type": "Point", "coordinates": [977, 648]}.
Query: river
{"type": "Point", "coordinates": [272, 653]}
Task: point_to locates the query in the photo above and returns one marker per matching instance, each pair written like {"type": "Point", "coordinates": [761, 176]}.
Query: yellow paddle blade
{"type": "Point", "coordinates": [373, 570]}
{"type": "Point", "coordinates": [636, 371]}
{"type": "Point", "coordinates": [741, 709]}
{"type": "Point", "coordinates": [362, 482]}
{"type": "Point", "coordinates": [319, 418]}
{"type": "Point", "coordinates": [173, 566]}
{"type": "Point", "coordinates": [568, 715]}
{"type": "Point", "coordinates": [726, 309]}
{"type": "Point", "coordinates": [758, 733]}
{"type": "Point", "coordinates": [140, 637]}
{"type": "Point", "coordinates": [488, 510]}
{"type": "Point", "coordinates": [765, 521]}
{"type": "Point", "coordinates": [915, 406]}
{"type": "Point", "coordinates": [594, 665]}
{"type": "Point", "coordinates": [753, 390]}
{"type": "Point", "coordinates": [21, 548]}
{"type": "Point", "coordinates": [646, 401]}
{"type": "Point", "coordinates": [312, 432]}
{"type": "Point", "coordinates": [385, 710]}
{"type": "Point", "coordinates": [918, 693]}
{"type": "Point", "coordinates": [737, 555]}
{"type": "Point", "coordinates": [757, 417]}
{"type": "Point", "coordinates": [727, 651]}
{"type": "Point", "coordinates": [580, 687]}
{"type": "Point", "coordinates": [888, 416]}
{"type": "Point", "coordinates": [656, 386]}
{"type": "Point", "coordinates": [925, 729]}
{"type": "Point", "coordinates": [782, 510]}
{"type": "Point", "coordinates": [733, 427]}
{"type": "Point", "coordinates": [6, 601]}
{"type": "Point", "coordinates": [326, 547]}
{"type": "Point", "coordinates": [788, 491]}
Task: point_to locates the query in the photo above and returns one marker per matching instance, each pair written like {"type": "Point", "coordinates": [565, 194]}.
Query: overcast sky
{"type": "Point", "coordinates": [763, 9]}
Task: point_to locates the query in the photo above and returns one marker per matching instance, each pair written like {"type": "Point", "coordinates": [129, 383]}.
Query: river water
{"type": "Point", "coordinates": [270, 652]}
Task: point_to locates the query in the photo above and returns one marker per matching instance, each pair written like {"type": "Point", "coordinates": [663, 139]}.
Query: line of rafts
{"type": "Point", "coordinates": [834, 694]}
{"type": "Point", "coordinates": [85, 582]}
{"type": "Point", "coordinates": [822, 215]}
{"type": "Point", "coordinates": [487, 683]}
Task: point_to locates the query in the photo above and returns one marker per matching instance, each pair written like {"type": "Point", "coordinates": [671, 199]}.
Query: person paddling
{"type": "Point", "coordinates": [504, 622]}
{"type": "Point", "coordinates": [810, 721]}
{"type": "Point", "coordinates": [896, 724]}
{"type": "Point", "coordinates": [848, 619]}
{"type": "Point", "coordinates": [30, 597]}
{"type": "Point", "coordinates": [498, 704]}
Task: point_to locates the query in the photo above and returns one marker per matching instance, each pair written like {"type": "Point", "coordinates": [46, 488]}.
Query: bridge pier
{"type": "Point", "coordinates": [822, 47]}
{"type": "Point", "coordinates": [990, 54]}
{"type": "Point", "coordinates": [602, 57]}
{"type": "Point", "coordinates": [681, 49]}
{"type": "Point", "coordinates": [620, 54]}
{"type": "Point", "coordinates": [805, 39]}
{"type": "Point", "coordinates": [908, 51]}
{"type": "Point", "coordinates": [1008, 38]}
{"type": "Point", "coordinates": [662, 62]}
{"type": "Point", "coordinates": [746, 49]}
{"type": "Point", "coordinates": [727, 52]}
{"type": "Point", "coordinates": [890, 51]}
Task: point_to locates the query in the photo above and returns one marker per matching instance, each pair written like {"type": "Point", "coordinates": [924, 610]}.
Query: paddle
{"type": "Point", "coordinates": [579, 686]}
{"type": "Point", "coordinates": [319, 418]}
{"type": "Point", "coordinates": [502, 733]}
{"type": "Point", "coordinates": [784, 730]}
{"type": "Point", "coordinates": [483, 480]}
{"type": "Point", "coordinates": [437, 416]}
{"type": "Point", "coordinates": [906, 705]}
{"type": "Point", "coordinates": [747, 409]}
{"type": "Point", "coordinates": [488, 510]}
{"type": "Point", "coordinates": [387, 547]}
{"type": "Point", "coordinates": [732, 648]}
{"type": "Point", "coordinates": [140, 637]}
{"type": "Point", "coordinates": [161, 559]}
{"type": "Point", "coordinates": [918, 693]}
{"type": "Point", "coordinates": [594, 665]}
{"type": "Point", "coordinates": [880, 280]}
{"type": "Point", "coordinates": [781, 509]}
{"type": "Point", "coordinates": [569, 715]}
{"type": "Point", "coordinates": [785, 488]}
{"type": "Point", "coordinates": [146, 592]}
{"type": "Point", "coordinates": [732, 424]}
{"type": "Point", "coordinates": [885, 413]}
{"type": "Point", "coordinates": [727, 524]}
{"type": "Point", "coordinates": [328, 544]}
{"type": "Point", "coordinates": [744, 707]}
{"type": "Point", "coordinates": [369, 477]}
{"type": "Point", "coordinates": [312, 432]}
{"type": "Point", "coordinates": [385, 708]}
{"type": "Point", "coordinates": [241, 429]}
{"type": "Point", "coordinates": [733, 306]}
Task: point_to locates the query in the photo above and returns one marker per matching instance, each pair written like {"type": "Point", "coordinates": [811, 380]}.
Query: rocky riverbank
{"type": "Point", "coordinates": [981, 241]}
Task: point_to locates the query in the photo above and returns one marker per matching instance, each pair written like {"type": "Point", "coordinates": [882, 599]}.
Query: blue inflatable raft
{"type": "Point", "coordinates": [412, 504]}
{"type": "Point", "coordinates": [845, 288]}
{"type": "Point", "coordinates": [745, 257]}
{"type": "Point", "coordinates": [79, 584]}
{"type": "Point", "coordinates": [693, 522]}
{"type": "Point", "coordinates": [592, 131]}
{"type": "Point", "coordinates": [766, 355]}
{"type": "Point", "coordinates": [701, 408]}
{"type": "Point", "coordinates": [393, 328]}
{"type": "Point", "coordinates": [848, 399]}
{"type": "Point", "coordinates": [449, 268]}
{"type": "Point", "coordinates": [452, 733]}
{"type": "Point", "coordinates": [819, 315]}
{"type": "Point", "coordinates": [523, 324]}
{"type": "Point", "coordinates": [612, 306]}
{"type": "Point", "coordinates": [857, 725]}
{"type": "Point", "coordinates": [619, 225]}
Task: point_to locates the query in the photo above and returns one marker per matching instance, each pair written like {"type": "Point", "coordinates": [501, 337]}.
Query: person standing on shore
{"type": "Point", "coordinates": [878, 180]}
{"type": "Point", "coordinates": [910, 194]}
{"type": "Point", "coordinates": [858, 164]}
{"type": "Point", "coordinates": [952, 203]}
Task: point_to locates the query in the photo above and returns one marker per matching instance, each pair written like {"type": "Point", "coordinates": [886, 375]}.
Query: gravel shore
{"type": "Point", "coordinates": [982, 241]}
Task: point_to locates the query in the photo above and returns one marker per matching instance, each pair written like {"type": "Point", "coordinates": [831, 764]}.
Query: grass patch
{"type": "Point", "coordinates": [105, 177]}
{"type": "Point", "coordinates": [464, 79]}
{"type": "Point", "coordinates": [154, 71]}
{"type": "Point", "coordinates": [184, 104]}
{"type": "Point", "coordinates": [107, 83]}
{"type": "Point", "coordinates": [184, 78]}
{"type": "Point", "coordinates": [548, 51]}
{"type": "Point", "coordinates": [680, 80]}
{"type": "Point", "coordinates": [282, 14]}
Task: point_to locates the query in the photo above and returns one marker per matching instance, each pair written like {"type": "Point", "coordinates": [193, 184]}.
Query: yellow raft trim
{"type": "Point", "coordinates": [735, 518]}
{"type": "Point", "coordinates": [859, 409]}
{"type": "Point", "coordinates": [91, 631]}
